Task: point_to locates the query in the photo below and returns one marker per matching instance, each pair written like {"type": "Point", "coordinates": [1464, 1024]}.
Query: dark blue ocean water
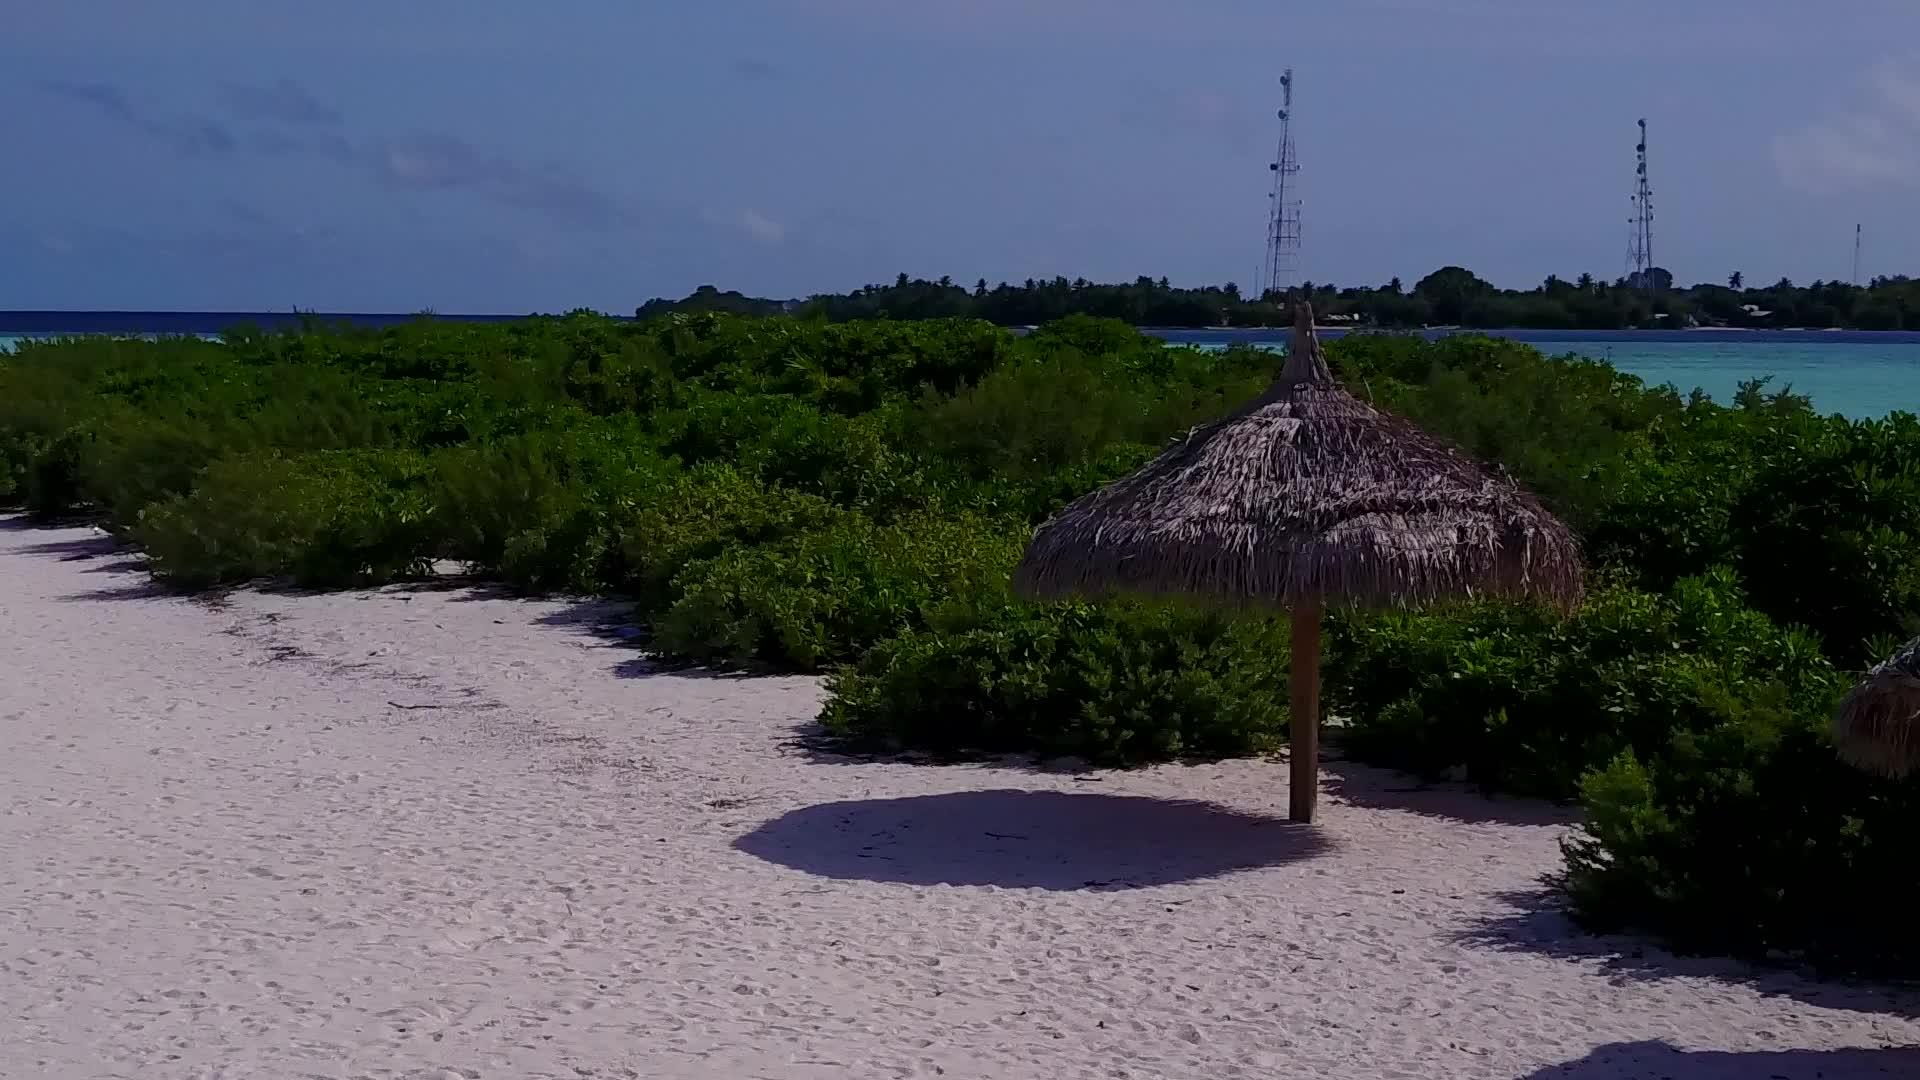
{"type": "Point", "coordinates": [44, 323]}
{"type": "Point", "coordinates": [1860, 374]}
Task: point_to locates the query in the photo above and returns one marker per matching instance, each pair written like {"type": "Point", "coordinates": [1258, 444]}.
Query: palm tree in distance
{"type": "Point", "coordinates": [1736, 281]}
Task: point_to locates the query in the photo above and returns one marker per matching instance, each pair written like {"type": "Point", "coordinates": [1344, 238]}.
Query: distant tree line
{"type": "Point", "coordinates": [1450, 296]}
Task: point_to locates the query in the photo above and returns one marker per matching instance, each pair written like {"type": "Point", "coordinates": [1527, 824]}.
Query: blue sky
{"type": "Point", "coordinates": [486, 155]}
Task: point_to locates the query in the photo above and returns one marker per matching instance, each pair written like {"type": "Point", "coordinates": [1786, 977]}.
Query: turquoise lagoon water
{"type": "Point", "coordinates": [1861, 375]}
{"type": "Point", "coordinates": [1864, 375]}
{"type": "Point", "coordinates": [1854, 379]}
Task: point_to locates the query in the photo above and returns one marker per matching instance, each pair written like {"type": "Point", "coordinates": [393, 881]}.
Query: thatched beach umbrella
{"type": "Point", "coordinates": [1306, 497]}
{"type": "Point", "coordinates": [1878, 726]}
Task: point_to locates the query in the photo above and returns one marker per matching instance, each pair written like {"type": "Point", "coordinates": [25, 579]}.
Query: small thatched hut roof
{"type": "Point", "coordinates": [1307, 494]}
{"type": "Point", "coordinates": [1878, 726]}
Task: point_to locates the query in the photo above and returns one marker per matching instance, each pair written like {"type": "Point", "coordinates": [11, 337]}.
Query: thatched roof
{"type": "Point", "coordinates": [1878, 726]}
{"type": "Point", "coordinates": [1307, 492]}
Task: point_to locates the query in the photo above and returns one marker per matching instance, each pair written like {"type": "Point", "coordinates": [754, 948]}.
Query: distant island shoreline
{"type": "Point", "coordinates": [1449, 300]}
{"type": "Point", "coordinates": [53, 324]}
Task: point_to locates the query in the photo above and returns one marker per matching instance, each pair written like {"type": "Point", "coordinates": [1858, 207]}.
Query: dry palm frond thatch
{"type": "Point", "coordinates": [1877, 728]}
{"type": "Point", "coordinates": [1306, 497]}
{"type": "Point", "coordinates": [1306, 493]}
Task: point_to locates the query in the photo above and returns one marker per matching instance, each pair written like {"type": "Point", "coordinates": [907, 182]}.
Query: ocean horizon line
{"type": "Point", "coordinates": [57, 322]}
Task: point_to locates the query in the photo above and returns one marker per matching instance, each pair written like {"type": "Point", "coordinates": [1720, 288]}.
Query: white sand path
{"type": "Point", "coordinates": [420, 833]}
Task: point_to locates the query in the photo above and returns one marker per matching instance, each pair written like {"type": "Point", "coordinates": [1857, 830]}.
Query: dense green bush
{"type": "Point", "coordinates": [1819, 515]}
{"type": "Point", "coordinates": [326, 519]}
{"type": "Point", "coordinates": [1750, 837]}
{"type": "Point", "coordinates": [543, 510]}
{"type": "Point", "coordinates": [702, 514]}
{"type": "Point", "coordinates": [829, 594]}
{"type": "Point", "coordinates": [53, 390]}
{"type": "Point", "coordinates": [131, 461]}
{"type": "Point", "coordinates": [52, 470]}
{"type": "Point", "coordinates": [1830, 532]}
{"type": "Point", "coordinates": [853, 461]}
{"type": "Point", "coordinates": [847, 368]}
{"type": "Point", "coordinates": [1116, 685]}
{"type": "Point", "coordinates": [1527, 702]}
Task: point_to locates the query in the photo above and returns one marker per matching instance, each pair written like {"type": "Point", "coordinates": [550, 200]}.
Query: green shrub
{"type": "Point", "coordinates": [326, 519]}
{"type": "Point", "coordinates": [1749, 837]}
{"type": "Point", "coordinates": [845, 368]}
{"type": "Point", "coordinates": [53, 392]}
{"type": "Point", "coordinates": [50, 482]}
{"type": "Point", "coordinates": [542, 510]}
{"type": "Point", "coordinates": [135, 461]}
{"type": "Point", "coordinates": [827, 595]}
{"type": "Point", "coordinates": [144, 428]}
{"type": "Point", "coordinates": [700, 515]}
{"type": "Point", "coordinates": [1030, 419]}
{"type": "Point", "coordinates": [1829, 532]}
{"type": "Point", "coordinates": [1819, 515]}
{"type": "Point", "coordinates": [1668, 510]}
{"type": "Point", "coordinates": [1527, 702]}
{"type": "Point", "coordinates": [1117, 685]}
{"type": "Point", "coordinates": [853, 461]}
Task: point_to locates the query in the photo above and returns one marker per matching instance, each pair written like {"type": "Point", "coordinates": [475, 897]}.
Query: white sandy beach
{"type": "Point", "coordinates": [427, 833]}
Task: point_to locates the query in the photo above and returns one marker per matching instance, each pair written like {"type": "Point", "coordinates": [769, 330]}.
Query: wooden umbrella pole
{"type": "Point", "coordinates": [1304, 681]}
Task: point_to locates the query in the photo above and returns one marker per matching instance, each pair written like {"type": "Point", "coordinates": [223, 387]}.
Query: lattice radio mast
{"type": "Point", "coordinates": [1283, 213]}
{"type": "Point", "coordinates": [1640, 244]}
{"type": "Point", "coordinates": [1856, 256]}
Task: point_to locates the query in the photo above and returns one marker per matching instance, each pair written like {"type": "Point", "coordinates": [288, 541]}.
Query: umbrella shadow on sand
{"type": "Point", "coordinates": [1053, 840]}
{"type": "Point", "coordinates": [1626, 1061]}
{"type": "Point", "coordinates": [1537, 922]}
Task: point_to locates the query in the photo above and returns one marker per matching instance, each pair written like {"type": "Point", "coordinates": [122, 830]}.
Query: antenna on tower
{"type": "Point", "coordinates": [1640, 243]}
{"type": "Point", "coordinates": [1856, 256]}
{"type": "Point", "coordinates": [1283, 211]}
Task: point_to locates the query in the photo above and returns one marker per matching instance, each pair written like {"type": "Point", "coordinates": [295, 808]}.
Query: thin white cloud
{"type": "Point", "coordinates": [760, 227]}
{"type": "Point", "coordinates": [1876, 144]}
{"type": "Point", "coordinates": [1899, 87]}
{"type": "Point", "coordinates": [746, 220]}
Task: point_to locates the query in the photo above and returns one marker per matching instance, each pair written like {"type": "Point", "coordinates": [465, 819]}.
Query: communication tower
{"type": "Point", "coordinates": [1640, 242]}
{"type": "Point", "coordinates": [1283, 211]}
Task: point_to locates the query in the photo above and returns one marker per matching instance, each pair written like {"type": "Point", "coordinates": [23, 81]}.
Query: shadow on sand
{"type": "Point", "coordinates": [20, 521]}
{"type": "Point", "coordinates": [1015, 839]}
{"type": "Point", "coordinates": [1633, 1061]}
{"type": "Point", "coordinates": [143, 589]}
{"type": "Point", "coordinates": [76, 550]}
{"type": "Point", "coordinates": [1384, 789]}
{"type": "Point", "coordinates": [1537, 922]}
{"type": "Point", "coordinates": [608, 620]}
{"type": "Point", "coordinates": [1341, 781]}
{"type": "Point", "coordinates": [614, 622]}
{"type": "Point", "coordinates": [107, 554]}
